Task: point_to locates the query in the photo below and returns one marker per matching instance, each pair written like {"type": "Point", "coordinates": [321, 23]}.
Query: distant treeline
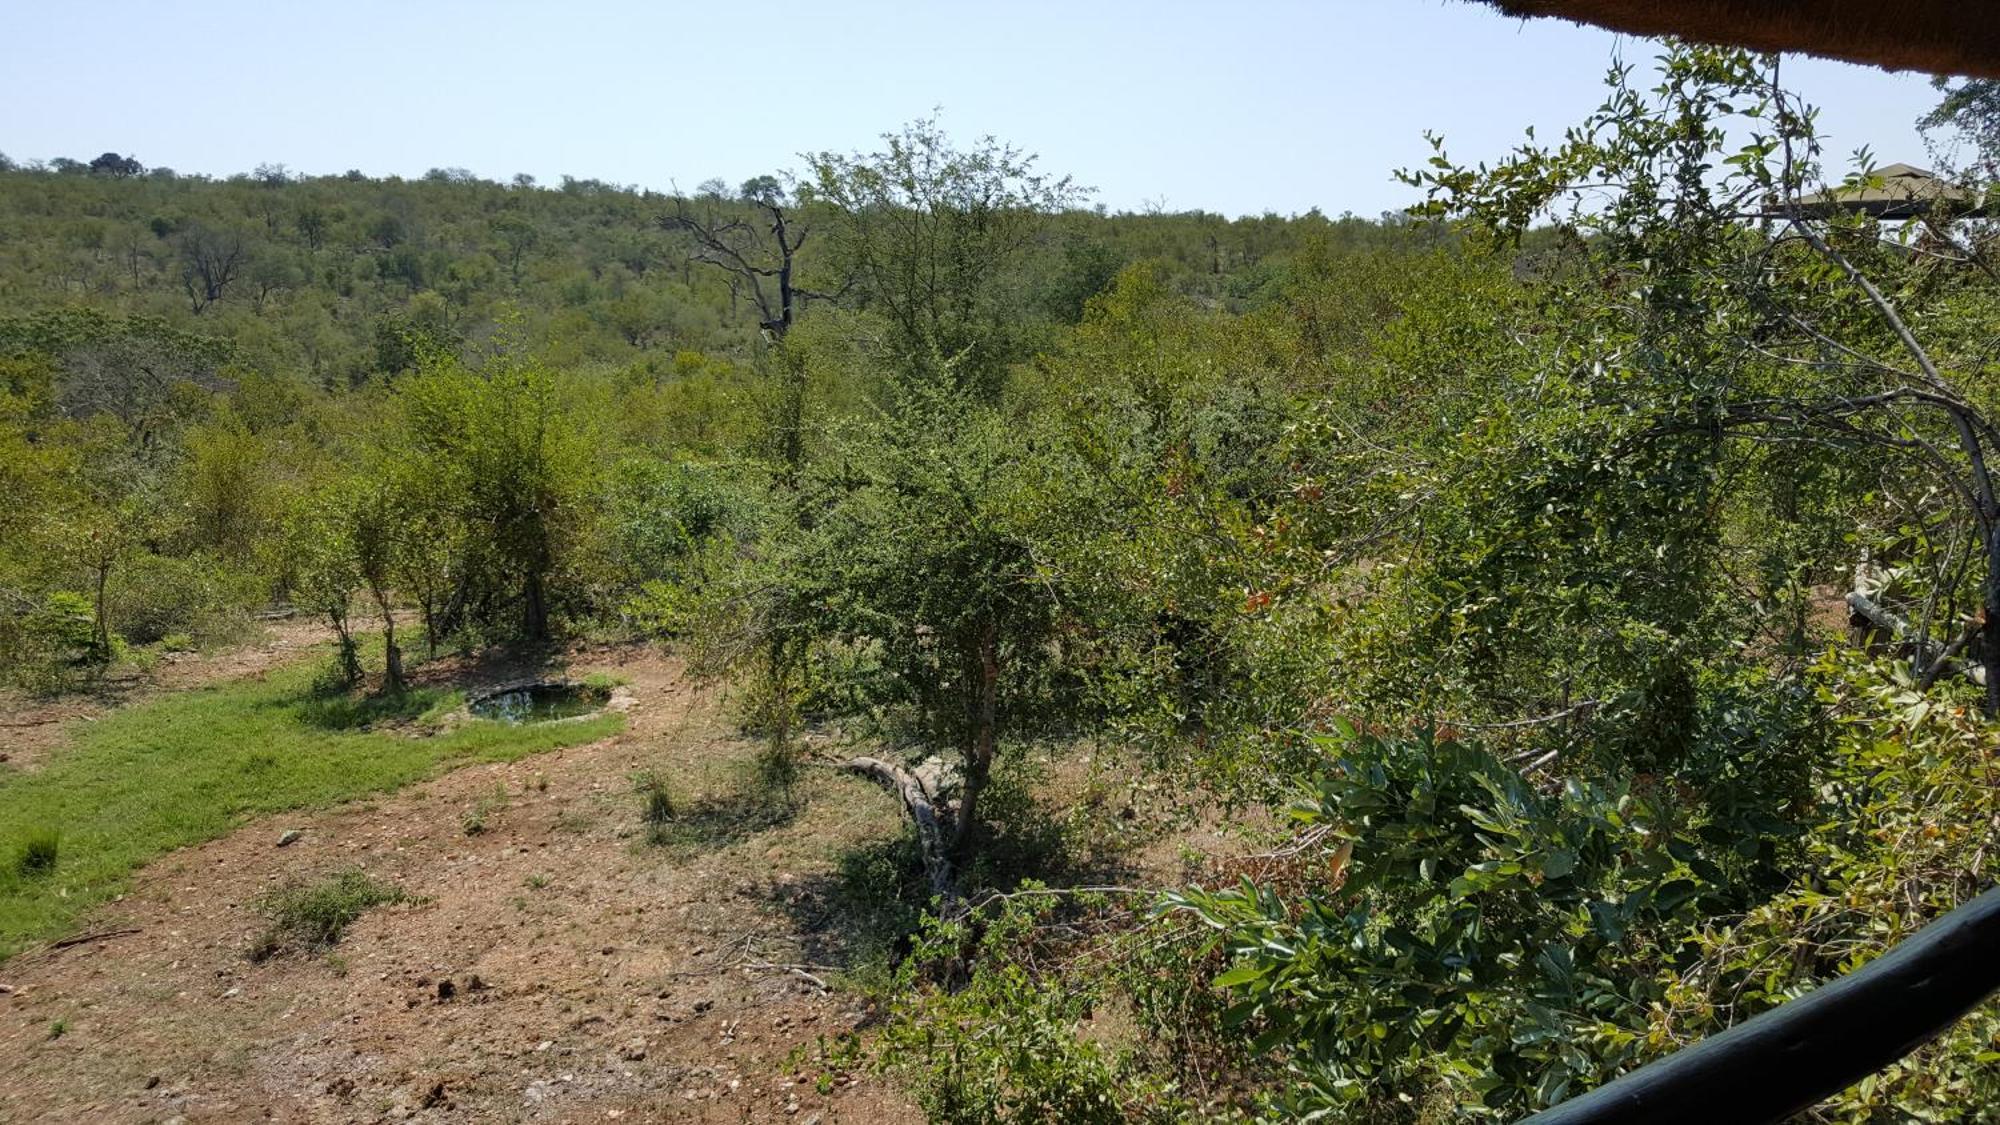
{"type": "Point", "coordinates": [327, 278]}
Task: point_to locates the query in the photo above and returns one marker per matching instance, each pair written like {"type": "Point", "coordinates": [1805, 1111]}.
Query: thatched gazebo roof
{"type": "Point", "coordinates": [1904, 193]}
{"type": "Point", "coordinates": [1940, 36]}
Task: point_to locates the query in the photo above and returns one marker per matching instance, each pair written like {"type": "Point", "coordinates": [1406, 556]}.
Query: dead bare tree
{"type": "Point", "coordinates": [760, 257]}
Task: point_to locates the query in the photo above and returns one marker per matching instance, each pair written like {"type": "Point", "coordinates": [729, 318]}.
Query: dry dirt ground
{"type": "Point", "coordinates": [552, 967]}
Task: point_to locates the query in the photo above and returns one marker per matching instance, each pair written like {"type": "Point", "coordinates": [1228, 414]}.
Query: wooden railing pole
{"type": "Point", "coordinates": [1783, 1061]}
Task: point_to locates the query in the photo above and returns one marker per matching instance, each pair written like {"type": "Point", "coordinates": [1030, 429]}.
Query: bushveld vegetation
{"type": "Point", "coordinates": [1498, 549]}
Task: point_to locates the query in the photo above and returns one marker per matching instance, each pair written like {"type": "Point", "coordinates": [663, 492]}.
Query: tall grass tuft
{"type": "Point", "coordinates": [313, 916]}
{"type": "Point", "coordinates": [656, 807]}
{"type": "Point", "coordinates": [39, 853]}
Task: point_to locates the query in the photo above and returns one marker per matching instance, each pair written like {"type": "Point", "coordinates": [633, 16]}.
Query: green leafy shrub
{"type": "Point", "coordinates": [1010, 1046]}
{"type": "Point", "coordinates": [197, 596]}
{"type": "Point", "coordinates": [1479, 940]}
{"type": "Point", "coordinates": [1484, 948]}
{"type": "Point", "coordinates": [47, 647]}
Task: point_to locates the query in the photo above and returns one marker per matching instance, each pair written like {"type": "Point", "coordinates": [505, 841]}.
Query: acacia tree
{"type": "Point", "coordinates": [1971, 107]}
{"type": "Point", "coordinates": [917, 550]}
{"type": "Point", "coordinates": [927, 558]}
{"type": "Point", "coordinates": [933, 236]}
{"type": "Point", "coordinates": [116, 166]}
{"type": "Point", "coordinates": [909, 542]}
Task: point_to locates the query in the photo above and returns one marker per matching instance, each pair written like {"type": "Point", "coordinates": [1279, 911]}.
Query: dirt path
{"type": "Point", "coordinates": [591, 977]}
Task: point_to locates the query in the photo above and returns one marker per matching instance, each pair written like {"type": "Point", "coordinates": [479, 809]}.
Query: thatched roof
{"type": "Point", "coordinates": [1941, 36]}
{"type": "Point", "coordinates": [1904, 192]}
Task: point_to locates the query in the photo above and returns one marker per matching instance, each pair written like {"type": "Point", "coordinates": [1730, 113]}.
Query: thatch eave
{"type": "Point", "coordinates": [1939, 36]}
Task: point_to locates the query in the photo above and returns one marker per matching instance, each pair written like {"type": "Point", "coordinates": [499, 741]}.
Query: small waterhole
{"type": "Point", "coordinates": [538, 703]}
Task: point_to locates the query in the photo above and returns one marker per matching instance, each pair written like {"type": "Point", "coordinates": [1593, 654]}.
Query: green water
{"type": "Point", "coordinates": [540, 703]}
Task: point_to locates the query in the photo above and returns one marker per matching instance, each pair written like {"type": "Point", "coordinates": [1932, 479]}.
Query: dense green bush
{"type": "Point", "coordinates": [199, 596]}
{"type": "Point", "coordinates": [44, 647]}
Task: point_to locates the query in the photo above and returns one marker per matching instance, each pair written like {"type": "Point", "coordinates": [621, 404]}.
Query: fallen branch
{"type": "Point", "coordinates": [86, 939]}
{"type": "Point", "coordinates": [798, 971]}
{"type": "Point", "coordinates": [1929, 653]}
{"type": "Point", "coordinates": [921, 804]}
{"type": "Point", "coordinates": [1582, 708]}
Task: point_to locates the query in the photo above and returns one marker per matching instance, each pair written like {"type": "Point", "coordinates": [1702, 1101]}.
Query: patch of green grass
{"type": "Point", "coordinates": [312, 916]}
{"type": "Point", "coordinates": [192, 766]}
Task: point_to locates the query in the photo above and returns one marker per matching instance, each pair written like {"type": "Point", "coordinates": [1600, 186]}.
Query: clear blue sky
{"type": "Point", "coordinates": [1236, 107]}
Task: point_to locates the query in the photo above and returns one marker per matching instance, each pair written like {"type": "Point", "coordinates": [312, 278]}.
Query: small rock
{"type": "Point", "coordinates": [446, 990]}
{"type": "Point", "coordinates": [703, 1005]}
{"type": "Point", "coordinates": [234, 992]}
{"type": "Point", "coordinates": [474, 984]}
{"type": "Point", "coordinates": [152, 1081]}
{"type": "Point", "coordinates": [289, 837]}
{"type": "Point", "coordinates": [433, 1097]}
{"type": "Point", "coordinates": [633, 1051]}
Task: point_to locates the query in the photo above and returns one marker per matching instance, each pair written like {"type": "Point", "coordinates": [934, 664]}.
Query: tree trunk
{"type": "Point", "coordinates": [428, 604]}
{"type": "Point", "coordinates": [1989, 626]}
{"type": "Point", "coordinates": [535, 621]}
{"type": "Point", "coordinates": [392, 672]}
{"type": "Point", "coordinates": [103, 615]}
{"type": "Point", "coordinates": [979, 755]}
{"type": "Point", "coordinates": [350, 659]}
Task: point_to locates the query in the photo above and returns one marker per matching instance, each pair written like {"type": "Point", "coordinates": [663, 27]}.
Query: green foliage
{"type": "Point", "coordinates": [1504, 549]}
{"type": "Point", "coordinates": [1010, 1045]}
{"type": "Point", "coordinates": [935, 237]}
{"type": "Point", "coordinates": [1493, 948]}
{"type": "Point", "coordinates": [51, 644]}
{"type": "Point", "coordinates": [1483, 933]}
{"type": "Point", "coordinates": [194, 596]}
